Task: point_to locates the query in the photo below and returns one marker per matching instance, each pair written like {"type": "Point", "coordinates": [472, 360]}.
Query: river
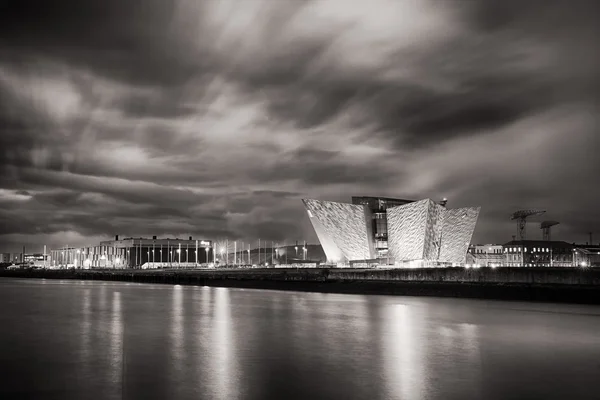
{"type": "Point", "coordinates": [114, 340]}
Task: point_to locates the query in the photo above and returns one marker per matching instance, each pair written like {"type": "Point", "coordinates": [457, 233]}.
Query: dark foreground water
{"type": "Point", "coordinates": [93, 340]}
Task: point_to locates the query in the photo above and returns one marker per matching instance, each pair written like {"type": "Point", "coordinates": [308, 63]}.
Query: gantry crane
{"type": "Point", "coordinates": [521, 218]}
{"type": "Point", "coordinates": [545, 227]}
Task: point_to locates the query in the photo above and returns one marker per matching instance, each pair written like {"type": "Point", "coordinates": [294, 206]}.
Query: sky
{"type": "Point", "coordinates": [215, 118]}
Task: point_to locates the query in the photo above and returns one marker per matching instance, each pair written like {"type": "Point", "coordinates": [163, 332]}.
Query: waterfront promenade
{"type": "Point", "coordinates": [571, 285]}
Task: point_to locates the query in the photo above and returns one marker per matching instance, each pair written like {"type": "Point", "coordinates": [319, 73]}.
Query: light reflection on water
{"type": "Point", "coordinates": [114, 341]}
{"type": "Point", "coordinates": [115, 367]}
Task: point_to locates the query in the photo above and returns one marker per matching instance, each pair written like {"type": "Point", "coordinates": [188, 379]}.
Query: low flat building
{"type": "Point", "coordinates": [134, 253]}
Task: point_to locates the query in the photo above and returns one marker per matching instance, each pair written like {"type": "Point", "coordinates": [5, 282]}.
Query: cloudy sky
{"type": "Point", "coordinates": [214, 118]}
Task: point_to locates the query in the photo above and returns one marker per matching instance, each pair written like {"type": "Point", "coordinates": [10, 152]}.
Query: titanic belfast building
{"type": "Point", "coordinates": [392, 231]}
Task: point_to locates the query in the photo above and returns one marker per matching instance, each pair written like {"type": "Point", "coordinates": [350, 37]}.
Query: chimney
{"type": "Point", "coordinates": [116, 237]}
{"type": "Point", "coordinates": [154, 237]}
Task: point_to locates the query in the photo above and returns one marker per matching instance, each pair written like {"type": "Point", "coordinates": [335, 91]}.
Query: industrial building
{"type": "Point", "coordinates": [539, 253]}
{"type": "Point", "coordinates": [388, 231]}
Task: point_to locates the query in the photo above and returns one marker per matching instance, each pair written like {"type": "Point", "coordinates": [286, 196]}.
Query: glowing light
{"type": "Point", "coordinates": [584, 264]}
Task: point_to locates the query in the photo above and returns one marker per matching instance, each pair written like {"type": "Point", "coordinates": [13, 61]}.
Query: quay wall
{"type": "Point", "coordinates": [571, 285]}
{"type": "Point", "coordinates": [502, 275]}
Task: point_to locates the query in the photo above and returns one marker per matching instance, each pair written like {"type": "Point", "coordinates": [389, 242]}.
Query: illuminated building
{"type": "Point", "coordinates": [389, 231]}
{"type": "Point", "coordinates": [486, 255]}
{"type": "Point", "coordinates": [539, 253]}
{"type": "Point", "coordinates": [135, 253]}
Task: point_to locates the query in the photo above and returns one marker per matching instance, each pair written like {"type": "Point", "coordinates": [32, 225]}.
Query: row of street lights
{"type": "Point", "coordinates": [238, 256]}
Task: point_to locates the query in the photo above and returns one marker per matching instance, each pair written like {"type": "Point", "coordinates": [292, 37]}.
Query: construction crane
{"type": "Point", "coordinates": [545, 227]}
{"type": "Point", "coordinates": [521, 218]}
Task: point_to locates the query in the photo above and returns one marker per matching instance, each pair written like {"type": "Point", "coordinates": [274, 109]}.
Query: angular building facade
{"type": "Point", "coordinates": [392, 231]}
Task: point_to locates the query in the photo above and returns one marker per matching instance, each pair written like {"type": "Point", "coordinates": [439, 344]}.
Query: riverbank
{"type": "Point", "coordinates": [564, 285]}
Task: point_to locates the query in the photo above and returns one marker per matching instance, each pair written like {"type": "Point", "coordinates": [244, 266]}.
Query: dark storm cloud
{"type": "Point", "coordinates": [215, 118]}
{"type": "Point", "coordinates": [128, 41]}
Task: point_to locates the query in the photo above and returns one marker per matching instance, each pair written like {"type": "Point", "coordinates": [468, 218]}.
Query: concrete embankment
{"type": "Point", "coordinates": [574, 285]}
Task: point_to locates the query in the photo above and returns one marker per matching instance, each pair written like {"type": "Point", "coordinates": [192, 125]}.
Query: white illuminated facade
{"type": "Point", "coordinates": [393, 231]}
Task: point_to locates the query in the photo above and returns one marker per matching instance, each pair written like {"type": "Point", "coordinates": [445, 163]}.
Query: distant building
{"type": "Point", "coordinates": [587, 255]}
{"type": "Point", "coordinates": [135, 253]}
{"type": "Point", "coordinates": [539, 253]}
{"type": "Point", "coordinates": [15, 258]}
{"type": "Point", "coordinates": [388, 231]}
{"type": "Point", "coordinates": [36, 259]}
{"type": "Point", "coordinates": [486, 255]}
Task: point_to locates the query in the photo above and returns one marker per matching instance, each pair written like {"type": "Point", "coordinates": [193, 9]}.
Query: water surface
{"type": "Point", "coordinates": [96, 340]}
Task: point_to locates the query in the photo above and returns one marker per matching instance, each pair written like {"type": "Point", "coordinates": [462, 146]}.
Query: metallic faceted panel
{"type": "Point", "coordinates": [331, 249]}
{"type": "Point", "coordinates": [407, 225]}
{"type": "Point", "coordinates": [433, 231]}
{"type": "Point", "coordinates": [341, 229]}
{"type": "Point", "coordinates": [457, 231]}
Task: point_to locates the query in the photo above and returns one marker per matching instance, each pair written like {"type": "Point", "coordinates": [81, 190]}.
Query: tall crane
{"type": "Point", "coordinates": [521, 218]}
{"type": "Point", "coordinates": [545, 227]}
